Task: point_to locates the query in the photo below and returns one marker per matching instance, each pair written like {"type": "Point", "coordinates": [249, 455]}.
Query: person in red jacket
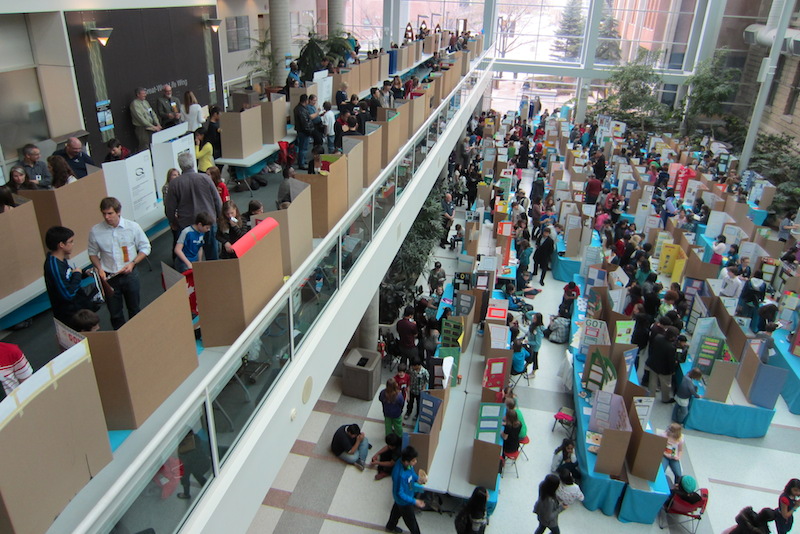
{"type": "Point", "coordinates": [14, 367]}
{"type": "Point", "coordinates": [593, 189]}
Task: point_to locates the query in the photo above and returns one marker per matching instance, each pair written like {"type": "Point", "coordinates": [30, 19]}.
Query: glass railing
{"type": "Point", "coordinates": [157, 493]}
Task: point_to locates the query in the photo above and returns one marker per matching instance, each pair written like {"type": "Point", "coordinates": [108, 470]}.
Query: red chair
{"type": "Point", "coordinates": [691, 513]}
{"type": "Point", "coordinates": [510, 458]}
{"type": "Point", "coordinates": [566, 418]}
{"type": "Point", "coordinates": [524, 441]}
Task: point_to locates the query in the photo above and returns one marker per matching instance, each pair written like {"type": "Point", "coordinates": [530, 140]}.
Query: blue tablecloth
{"type": "Point", "coordinates": [448, 294]}
{"type": "Point", "coordinates": [642, 506]}
{"type": "Point", "coordinates": [756, 214]}
{"type": "Point", "coordinates": [786, 360]}
{"type": "Point", "coordinates": [732, 420]}
{"type": "Point", "coordinates": [629, 217]}
{"type": "Point", "coordinates": [708, 245]}
{"type": "Point", "coordinates": [600, 490]}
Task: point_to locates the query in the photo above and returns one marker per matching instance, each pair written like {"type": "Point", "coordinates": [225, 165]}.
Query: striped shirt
{"type": "Point", "coordinates": [14, 367]}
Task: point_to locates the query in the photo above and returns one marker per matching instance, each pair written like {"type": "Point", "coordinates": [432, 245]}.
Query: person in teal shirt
{"type": "Point", "coordinates": [521, 358]}
{"type": "Point", "coordinates": [535, 337]}
{"type": "Point", "coordinates": [403, 479]}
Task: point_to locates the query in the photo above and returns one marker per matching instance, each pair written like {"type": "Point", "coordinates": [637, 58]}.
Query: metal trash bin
{"type": "Point", "coordinates": [362, 373]}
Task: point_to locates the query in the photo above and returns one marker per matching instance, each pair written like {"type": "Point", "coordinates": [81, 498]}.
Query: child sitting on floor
{"type": "Point", "coordinates": [568, 491]}
{"type": "Point", "coordinates": [384, 459]}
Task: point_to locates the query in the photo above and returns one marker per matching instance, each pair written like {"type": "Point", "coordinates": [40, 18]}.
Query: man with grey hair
{"type": "Point", "coordinates": [189, 194]}
{"type": "Point", "coordinates": [168, 108]}
{"type": "Point", "coordinates": [35, 168]}
{"type": "Point", "coordinates": [145, 120]}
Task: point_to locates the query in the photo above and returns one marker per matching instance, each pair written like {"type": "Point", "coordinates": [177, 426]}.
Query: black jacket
{"type": "Point", "coordinates": [662, 354]}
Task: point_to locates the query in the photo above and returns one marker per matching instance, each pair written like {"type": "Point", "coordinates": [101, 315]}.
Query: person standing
{"type": "Point", "coordinates": [192, 111]}
{"type": "Point", "coordinates": [448, 216]}
{"type": "Point", "coordinates": [189, 194]}
{"type": "Point", "coordinates": [63, 281]}
{"type": "Point", "coordinates": [168, 108]}
{"type": "Point", "coordinates": [661, 362]}
{"type": "Point", "coordinates": [403, 479]}
{"type": "Point", "coordinates": [392, 400]}
{"type": "Point", "coordinates": [547, 506]}
{"type": "Point", "coordinates": [788, 503]}
{"type": "Point", "coordinates": [145, 120]}
{"type": "Point", "coordinates": [14, 367]}
{"type": "Point", "coordinates": [541, 258]}
{"type": "Point", "coordinates": [593, 189]}
{"type": "Point", "coordinates": [407, 332]}
{"type": "Point", "coordinates": [116, 247]}
{"type": "Point", "coordinates": [786, 226]}
{"type": "Point", "coordinates": [304, 128]}
{"type": "Point", "coordinates": [35, 168]}
{"type": "Point", "coordinates": [686, 390]}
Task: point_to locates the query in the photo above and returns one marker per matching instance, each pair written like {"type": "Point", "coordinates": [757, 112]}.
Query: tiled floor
{"type": "Point", "coordinates": [315, 492]}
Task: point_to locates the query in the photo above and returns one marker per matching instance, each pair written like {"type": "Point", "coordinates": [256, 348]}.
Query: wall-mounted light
{"type": "Point", "coordinates": [100, 35]}
{"type": "Point", "coordinates": [214, 24]}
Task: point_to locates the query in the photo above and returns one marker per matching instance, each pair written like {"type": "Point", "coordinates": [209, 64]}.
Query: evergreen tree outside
{"type": "Point", "coordinates": [608, 48]}
{"type": "Point", "coordinates": [569, 36]}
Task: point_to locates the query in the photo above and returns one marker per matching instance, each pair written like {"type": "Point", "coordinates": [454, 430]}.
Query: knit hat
{"type": "Point", "coordinates": [689, 484]}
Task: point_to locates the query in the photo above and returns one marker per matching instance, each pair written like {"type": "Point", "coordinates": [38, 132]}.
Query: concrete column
{"type": "Point", "coordinates": [281, 41]}
{"type": "Point", "coordinates": [581, 98]}
{"type": "Point", "coordinates": [489, 22]}
{"type": "Point", "coordinates": [386, 40]}
{"type": "Point", "coordinates": [592, 35]}
{"type": "Point", "coordinates": [335, 17]}
{"type": "Point", "coordinates": [765, 76]}
{"type": "Point", "coordinates": [368, 327]}
{"type": "Point", "coordinates": [711, 27]}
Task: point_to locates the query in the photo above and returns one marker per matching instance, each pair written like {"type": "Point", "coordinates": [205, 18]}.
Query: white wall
{"type": "Point", "coordinates": [15, 47]}
{"type": "Point", "coordinates": [237, 8]}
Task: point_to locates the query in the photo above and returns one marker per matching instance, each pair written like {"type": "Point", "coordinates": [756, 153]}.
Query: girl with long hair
{"type": "Point", "coordinates": [472, 518]}
{"type": "Point", "coordinates": [547, 506]}
{"type": "Point", "coordinates": [60, 171]}
{"type": "Point", "coordinates": [392, 400]}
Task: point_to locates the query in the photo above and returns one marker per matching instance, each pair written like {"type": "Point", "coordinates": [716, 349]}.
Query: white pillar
{"type": "Point", "coordinates": [335, 17]}
{"type": "Point", "coordinates": [489, 22]}
{"type": "Point", "coordinates": [280, 40]}
{"type": "Point", "coordinates": [766, 75]}
{"type": "Point", "coordinates": [582, 90]}
{"type": "Point", "coordinates": [368, 327]}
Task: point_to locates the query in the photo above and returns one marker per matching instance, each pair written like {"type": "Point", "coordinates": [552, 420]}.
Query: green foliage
{"type": "Point", "coordinates": [260, 62]}
{"type": "Point", "coordinates": [569, 36]}
{"type": "Point", "coordinates": [316, 48]}
{"type": "Point", "coordinates": [734, 132]}
{"type": "Point", "coordinates": [398, 286]}
{"type": "Point", "coordinates": [775, 158]}
{"type": "Point", "coordinates": [633, 95]}
{"type": "Point", "coordinates": [711, 84]}
{"type": "Point", "coordinates": [608, 49]}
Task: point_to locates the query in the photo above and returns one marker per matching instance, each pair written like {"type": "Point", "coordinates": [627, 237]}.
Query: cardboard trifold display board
{"type": "Point", "coordinates": [230, 293]}
{"type": "Point", "coordinates": [54, 435]}
{"type": "Point", "coordinates": [273, 120]}
{"type": "Point", "coordinates": [328, 195]}
{"type": "Point", "coordinates": [20, 264]}
{"type": "Point", "coordinates": [242, 133]}
{"type": "Point", "coordinates": [433, 403]}
{"type": "Point", "coordinates": [294, 225]}
{"type": "Point", "coordinates": [135, 373]}
{"type": "Point", "coordinates": [75, 205]}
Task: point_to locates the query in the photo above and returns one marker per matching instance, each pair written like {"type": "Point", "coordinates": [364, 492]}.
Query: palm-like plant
{"type": "Point", "coordinates": [335, 48]}
{"type": "Point", "coordinates": [259, 63]}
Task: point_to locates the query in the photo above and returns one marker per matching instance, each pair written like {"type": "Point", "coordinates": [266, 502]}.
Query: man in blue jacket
{"type": "Point", "coordinates": [403, 479]}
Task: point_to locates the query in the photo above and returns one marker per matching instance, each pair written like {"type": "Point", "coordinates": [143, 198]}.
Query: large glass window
{"type": "Point", "coordinates": [659, 28]}
{"type": "Point", "coordinates": [237, 30]}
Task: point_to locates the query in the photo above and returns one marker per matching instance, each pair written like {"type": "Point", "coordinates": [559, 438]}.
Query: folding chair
{"type": "Point", "coordinates": [690, 513]}
{"type": "Point", "coordinates": [524, 441]}
{"type": "Point", "coordinates": [566, 418]}
{"type": "Point", "coordinates": [516, 377]}
{"type": "Point", "coordinates": [510, 458]}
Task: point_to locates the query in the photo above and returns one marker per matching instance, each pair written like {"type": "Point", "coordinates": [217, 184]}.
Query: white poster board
{"type": "Point", "coordinates": [131, 182]}
{"type": "Point", "coordinates": [716, 221]}
{"type": "Point", "coordinates": [324, 87]}
{"type": "Point", "coordinates": [165, 157]}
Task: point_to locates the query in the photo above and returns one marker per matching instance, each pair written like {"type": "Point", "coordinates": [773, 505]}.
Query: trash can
{"type": "Point", "coordinates": [362, 373]}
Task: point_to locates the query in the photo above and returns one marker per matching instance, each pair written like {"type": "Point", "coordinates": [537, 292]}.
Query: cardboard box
{"type": "Point", "coordinates": [130, 362]}
{"type": "Point", "coordinates": [21, 264]}
{"type": "Point", "coordinates": [426, 443]}
{"type": "Point", "coordinates": [328, 195]}
{"type": "Point", "coordinates": [53, 425]}
{"type": "Point", "coordinates": [372, 159]}
{"type": "Point", "coordinates": [294, 227]}
{"type": "Point", "coordinates": [365, 74]}
{"type": "Point", "coordinates": [243, 133]}
{"type": "Point", "coordinates": [383, 67]}
{"type": "Point", "coordinates": [645, 450]}
{"type": "Point", "coordinates": [344, 76]}
{"type": "Point", "coordinates": [75, 205]}
{"type": "Point", "coordinates": [273, 120]}
{"type": "Point", "coordinates": [354, 150]}
{"type": "Point", "coordinates": [230, 293]}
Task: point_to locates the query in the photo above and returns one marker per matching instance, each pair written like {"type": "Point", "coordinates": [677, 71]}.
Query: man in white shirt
{"type": "Point", "coordinates": [329, 120]}
{"type": "Point", "coordinates": [732, 285]}
{"type": "Point", "coordinates": [116, 246]}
